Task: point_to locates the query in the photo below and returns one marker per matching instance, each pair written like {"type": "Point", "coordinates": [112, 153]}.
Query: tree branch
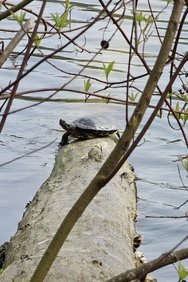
{"type": "Point", "coordinates": [14, 9]}
{"type": "Point", "coordinates": [13, 43]}
{"type": "Point", "coordinates": [144, 269]}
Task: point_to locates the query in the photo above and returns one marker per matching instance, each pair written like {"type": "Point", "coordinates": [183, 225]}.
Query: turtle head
{"type": "Point", "coordinates": [66, 126]}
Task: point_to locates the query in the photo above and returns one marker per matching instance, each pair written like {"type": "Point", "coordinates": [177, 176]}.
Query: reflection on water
{"type": "Point", "coordinates": [154, 159]}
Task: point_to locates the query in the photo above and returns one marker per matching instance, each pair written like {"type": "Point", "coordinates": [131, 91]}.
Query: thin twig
{"type": "Point", "coordinates": [28, 154]}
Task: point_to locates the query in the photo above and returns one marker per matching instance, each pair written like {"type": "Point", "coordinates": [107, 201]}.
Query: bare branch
{"type": "Point", "coordinates": [28, 154]}
{"type": "Point", "coordinates": [144, 269]}
{"type": "Point", "coordinates": [10, 47]}
{"type": "Point", "coordinates": [14, 9]}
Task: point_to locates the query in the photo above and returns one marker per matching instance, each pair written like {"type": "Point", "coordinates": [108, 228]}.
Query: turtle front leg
{"type": "Point", "coordinates": [64, 139]}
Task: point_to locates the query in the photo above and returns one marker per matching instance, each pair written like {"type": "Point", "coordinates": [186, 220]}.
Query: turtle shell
{"type": "Point", "coordinates": [101, 126]}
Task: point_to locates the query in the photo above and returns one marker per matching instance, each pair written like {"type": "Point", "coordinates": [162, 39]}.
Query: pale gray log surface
{"type": "Point", "coordinates": [100, 244]}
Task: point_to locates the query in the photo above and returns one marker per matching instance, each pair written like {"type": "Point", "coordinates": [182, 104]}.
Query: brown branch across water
{"type": "Point", "coordinates": [139, 272]}
{"type": "Point", "coordinates": [14, 9]}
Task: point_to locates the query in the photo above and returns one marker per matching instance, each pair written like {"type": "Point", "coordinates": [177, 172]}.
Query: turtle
{"type": "Point", "coordinates": [86, 127]}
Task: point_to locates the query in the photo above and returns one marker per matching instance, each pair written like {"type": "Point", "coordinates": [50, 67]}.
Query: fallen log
{"type": "Point", "coordinates": [100, 245]}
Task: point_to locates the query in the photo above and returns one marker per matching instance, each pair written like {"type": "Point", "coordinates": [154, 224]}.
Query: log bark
{"type": "Point", "coordinates": [100, 245]}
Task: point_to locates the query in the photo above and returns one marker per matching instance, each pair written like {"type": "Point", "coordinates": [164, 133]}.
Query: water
{"type": "Point", "coordinates": [160, 190]}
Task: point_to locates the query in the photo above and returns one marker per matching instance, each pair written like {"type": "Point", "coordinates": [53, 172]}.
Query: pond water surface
{"type": "Point", "coordinates": [160, 190]}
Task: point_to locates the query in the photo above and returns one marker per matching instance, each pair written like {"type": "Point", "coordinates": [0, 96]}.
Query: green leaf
{"type": "Point", "coordinates": [150, 19]}
{"type": "Point", "coordinates": [87, 85]}
{"type": "Point", "coordinates": [37, 40]}
{"type": "Point", "coordinates": [139, 18]}
{"type": "Point", "coordinates": [177, 109]}
{"type": "Point", "coordinates": [177, 106]}
{"type": "Point", "coordinates": [182, 272]}
{"type": "Point", "coordinates": [19, 18]}
{"type": "Point", "coordinates": [185, 116]}
{"type": "Point", "coordinates": [132, 96]}
{"type": "Point", "coordinates": [60, 21]}
{"type": "Point", "coordinates": [148, 22]}
{"type": "Point", "coordinates": [185, 163]}
{"type": "Point", "coordinates": [108, 69]}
